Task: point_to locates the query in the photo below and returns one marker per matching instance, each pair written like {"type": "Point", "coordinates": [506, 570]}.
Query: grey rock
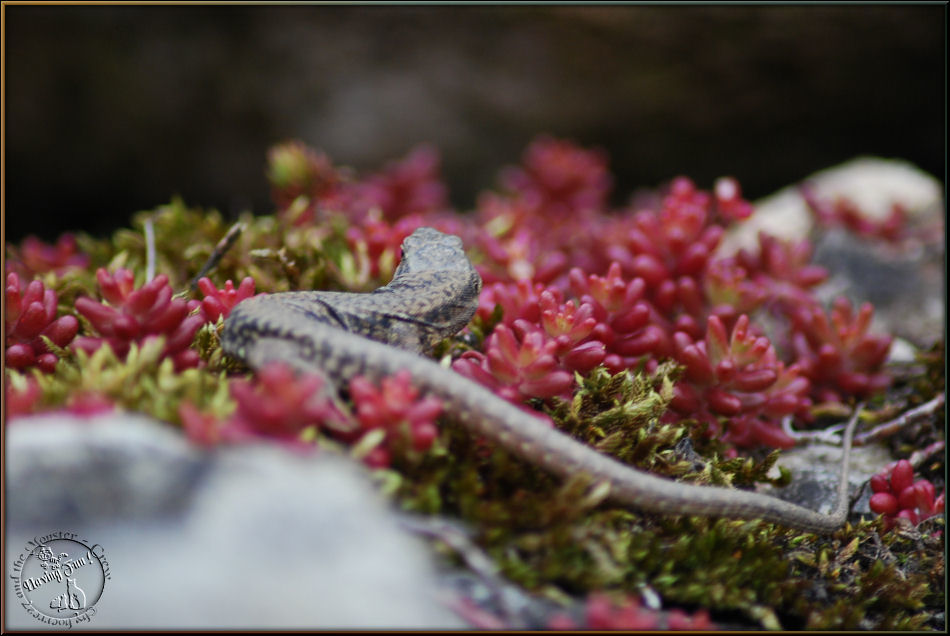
{"type": "Point", "coordinates": [79, 471]}
{"type": "Point", "coordinates": [243, 537]}
{"type": "Point", "coordinates": [904, 285]}
{"type": "Point", "coordinates": [815, 475]}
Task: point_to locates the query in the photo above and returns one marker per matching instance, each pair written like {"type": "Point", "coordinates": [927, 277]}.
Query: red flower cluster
{"type": "Point", "coordinates": [20, 401]}
{"type": "Point", "coordinates": [671, 248]}
{"type": "Point", "coordinates": [375, 243]}
{"type": "Point", "coordinates": [539, 345]}
{"type": "Point", "coordinates": [779, 277]}
{"type": "Point", "coordinates": [739, 377]}
{"type": "Point", "coordinates": [24, 400]}
{"type": "Point", "coordinates": [542, 341]}
{"type": "Point", "coordinates": [600, 613]}
{"type": "Point", "coordinates": [89, 403]}
{"type": "Point", "coordinates": [277, 404]}
{"type": "Point", "coordinates": [572, 326]}
{"type": "Point", "coordinates": [31, 313]}
{"type": "Point", "coordinates": [627, 323]}
{"type": "Point", "coordinates": [843, 212]}
{"type": "Point", "coordinates": [37, 257]}
{"type": "Point", "coordinates": [517, 254]}
{"type": "Point", "coordinates": [411, 185]}
{"type": "Point", "coordinates": [280, 404]}
{"type": "Point", "coordinates": [134, 315]}
{"type": "Point", "coordinates": [396, 408]}
{"type": "Point", "coordinates": [898, 496]}
{"type": "Point", "coordinates": [580, 286]}
{"type": "Point", "coordinates": [517, 368]}
{"type": "Point", "coordinates": [676, 289]}
{"type": "Point", "coordinates": [220, 302]}
{"type": "Point", "coordinates": [559, 179]}
{"type": "Point", "coordinates": [838, 355]}
{"type": "Point", "coordinates": [532, 231]}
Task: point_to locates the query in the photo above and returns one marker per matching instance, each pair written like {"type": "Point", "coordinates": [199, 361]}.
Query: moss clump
{"type": "Point", "coordinates": [142, 382]}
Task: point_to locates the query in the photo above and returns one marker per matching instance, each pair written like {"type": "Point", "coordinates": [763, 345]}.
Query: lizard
{"type": "Point", "coordinates": [433, 295]}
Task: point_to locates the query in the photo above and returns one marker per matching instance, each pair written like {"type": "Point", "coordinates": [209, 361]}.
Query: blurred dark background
{"type": "Point", "coordinates": [114, 109]}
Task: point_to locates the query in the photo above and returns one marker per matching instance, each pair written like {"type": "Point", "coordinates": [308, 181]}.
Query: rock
{"type": "Point", "coordinates": [815, 467]}
{"type": "Point", "coordinates": [119, 467]}
{"type": "Point", "coordinates": [904, 283]}
{"type": "Point", "coordinates": [243, 537]}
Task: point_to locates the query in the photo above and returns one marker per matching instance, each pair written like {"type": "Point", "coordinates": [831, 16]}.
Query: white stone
{"type": "Point", "coordinates": [257, 538]}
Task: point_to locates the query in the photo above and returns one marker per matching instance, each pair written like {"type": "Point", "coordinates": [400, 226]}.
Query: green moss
{"type": "Point", "coordinates": [142, 382]}
{"type": "Point", "coordinates": [279, 256]}
{"type": "Point", "coordinates": [553, 537]}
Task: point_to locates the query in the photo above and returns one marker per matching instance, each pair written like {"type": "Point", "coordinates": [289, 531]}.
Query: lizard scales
{"type": "Point", "coordinates": [433, 295]}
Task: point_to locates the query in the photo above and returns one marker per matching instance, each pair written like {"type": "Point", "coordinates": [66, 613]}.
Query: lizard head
{"type": "Point", "coordinates": [428, 249]}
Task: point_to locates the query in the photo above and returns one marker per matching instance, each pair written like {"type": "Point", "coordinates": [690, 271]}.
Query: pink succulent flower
{"type": "Point", "coordinates": [838, 354]}
{"type": "Point", "coordinates": [36, 257]}
{"type": "Point", "coordinates": [844, 212]}
{"type": "Point", "coordinates": [738, 375]}
{"type": "Point", "coordinates": [557, 178]}
{"type": "Point", "coordinates": [519, 364]}
{"type": "Point", "coordinates": [520, 255]}
{"type": "Point", "coordinates": [22, 401]}
{"type": "Point", "coordinates": [90, 403]}
{"type": "Point", "coordinates": [31, 313]}
{"type": "Point", "coordinates": [603, 613]}
{"type": "Point", "coordinates": [571, 327]}
{"type": "Point", "coordinates": [220, 302]}
{"type": "Point", "coordinates": [133, 315]}
{"type": "Point", "coordinates": [898, 496]}
{"type": "Point", "coordinates": [627, 324]}
{"type": "Point", "coordinates": [411, 185]}
{"type": "Point", "coordinates": [408, 419]}
{"type": "Point", "coordinates": [277, 404]}
{"type": "Point", "coordinates": [779, 275]}
{"type": "Point", "coordinates": [518, 300]}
